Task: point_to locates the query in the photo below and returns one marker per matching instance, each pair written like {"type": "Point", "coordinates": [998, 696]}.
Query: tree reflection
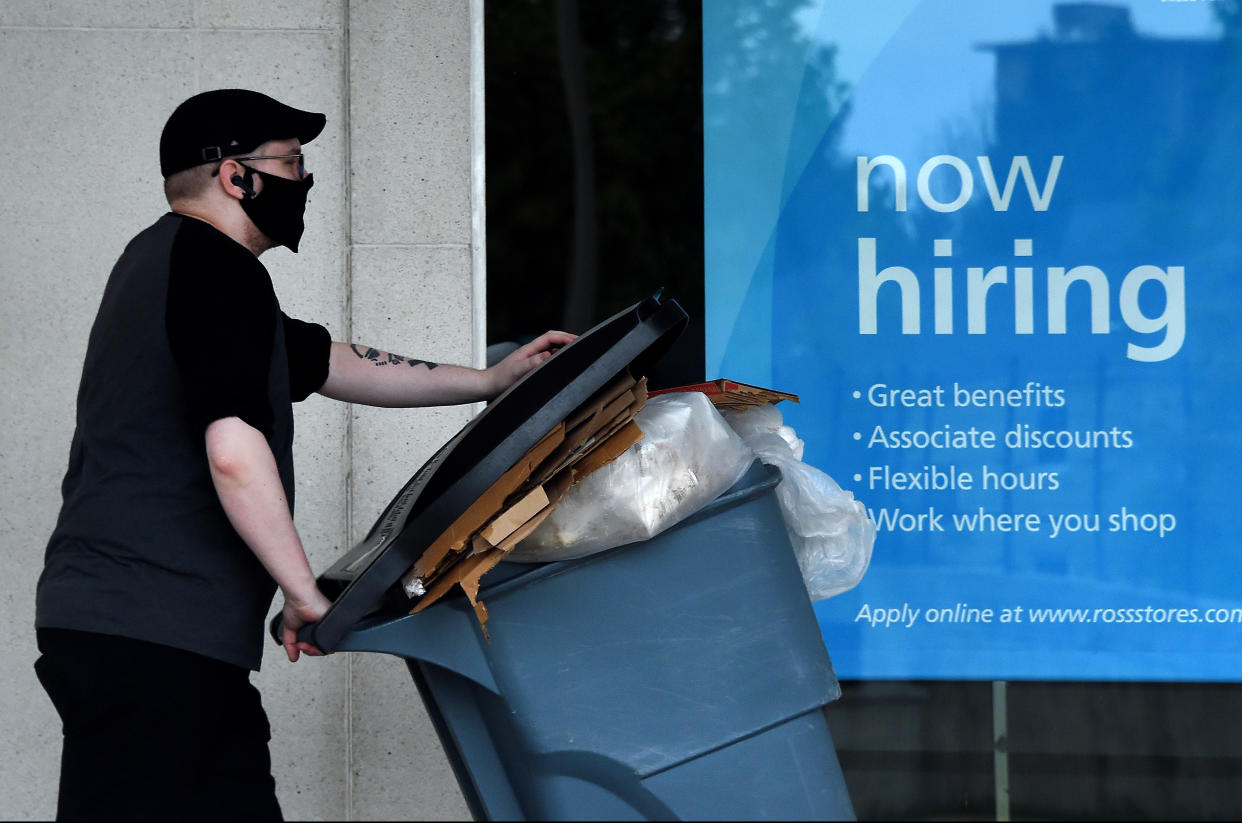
{"type": "Point", "coordinates": [595, 154]}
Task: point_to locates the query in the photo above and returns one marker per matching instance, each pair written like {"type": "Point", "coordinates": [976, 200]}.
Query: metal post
{"type": "Point", "coordinates": [1000, 747]}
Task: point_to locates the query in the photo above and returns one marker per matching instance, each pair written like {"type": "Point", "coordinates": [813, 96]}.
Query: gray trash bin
{"type": "Point", "coordinates": [679, 678]}
{"type": "Point", "coordinates": [684, 676]}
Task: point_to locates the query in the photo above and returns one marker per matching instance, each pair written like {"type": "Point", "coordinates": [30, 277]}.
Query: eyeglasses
{"type": "Point", "coordinates": [301, 160]}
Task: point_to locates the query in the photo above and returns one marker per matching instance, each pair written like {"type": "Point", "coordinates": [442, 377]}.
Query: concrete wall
{"type": "Point", "coordinates": [392, 257]}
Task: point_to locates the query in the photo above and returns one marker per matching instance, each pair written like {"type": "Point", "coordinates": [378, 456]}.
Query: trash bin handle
{"type": "Point", "coordinates": [306, 634]}
{"type": "Point", "coordinates": [447, 638]}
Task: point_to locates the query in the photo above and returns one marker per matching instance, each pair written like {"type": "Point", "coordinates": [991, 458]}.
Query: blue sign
{"type": "Point", "coordinates": [996, 249]}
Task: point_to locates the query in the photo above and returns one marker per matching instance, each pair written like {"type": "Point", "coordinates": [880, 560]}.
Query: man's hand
{"type": "Point", "coordinates": [296, 614]}
{"type": "Point", "coordinates": [508, 371]}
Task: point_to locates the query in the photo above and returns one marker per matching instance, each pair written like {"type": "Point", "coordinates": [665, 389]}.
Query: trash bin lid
{"type": "Point", "coordinates": [469, 464]}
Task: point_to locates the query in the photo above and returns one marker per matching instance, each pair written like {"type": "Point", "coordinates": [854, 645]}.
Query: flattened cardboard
{"type": "Point", "coordinates": [580, 435]}
{"type": "Point", "coordinates": [733, 395]}
{"type": "Point", "coordinates": [470, 585]}
{"type": "Point", "coordinates": [480, 614]}
{"type": "Point", "coordinates": [470, 570]}
{"type": "Point", "coordinates": [608, 451]}
{"type": "Point", "coordinates": [557, 485]}
{"type": "Point", "coordinates": [594, 435]}
{"type": "Point", "coordinates": [634, 399]}
{"type": "Point", "coordinates": [445, 581]}
{"type": "Point", "coordinates": [524, 531]}
{"type": "Point", "coordinates": [479, 512]}
{"type": "Point", "coordinates": [492, 532]}
{"type": "Point", "coordinates": [589, 435]}
{"type": "Point", "coordinates": [641, 393]}
{"type": "Point", "coordinates": [620, 384]}
{"type": "Point", "coordinates": [470, 580]}
{"type": "Point", "coordinates": [513, 517]}
{"type": "Point", "coordinates": [598, 439]}
{"type": "Point", "coordinates": [620, 421]}
{"type": "Point", "coordinates": [478, 545]}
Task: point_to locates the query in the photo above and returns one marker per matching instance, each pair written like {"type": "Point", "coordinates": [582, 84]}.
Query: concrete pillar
{"type": "Point", "coordinates": [412, 245]}
{"type": "Point", "coordinates": [391, 257]}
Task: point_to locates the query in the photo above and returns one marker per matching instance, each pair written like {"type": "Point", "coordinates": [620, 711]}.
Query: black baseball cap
{"type": "Point", "coordinates": [226, 122]}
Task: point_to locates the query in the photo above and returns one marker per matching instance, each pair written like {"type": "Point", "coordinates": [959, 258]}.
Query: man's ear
{"type": "Point", "coordinates": [233, 180]}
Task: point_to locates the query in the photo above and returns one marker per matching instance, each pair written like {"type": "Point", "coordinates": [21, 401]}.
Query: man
{"type": "Point", "coordinates": [176, 525]}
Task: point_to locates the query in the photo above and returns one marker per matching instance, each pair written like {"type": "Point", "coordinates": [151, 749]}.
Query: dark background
{"type": "Point", "coordinates": [594, 167]}
{"type": "Point", "coordinates": [595, 200]}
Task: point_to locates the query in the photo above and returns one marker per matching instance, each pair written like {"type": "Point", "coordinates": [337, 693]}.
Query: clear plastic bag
{"type": "Point", "coordinates": [687, 458]}
{"type": "Point", "coordinates": [831, 532]}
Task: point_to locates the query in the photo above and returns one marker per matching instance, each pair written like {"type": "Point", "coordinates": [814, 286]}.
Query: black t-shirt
{"type": "Point", "coordinates": [221, 327]}
{"type": "Point", "coordinates": [189, 331]}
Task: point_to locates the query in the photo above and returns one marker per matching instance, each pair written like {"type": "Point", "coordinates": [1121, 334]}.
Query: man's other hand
{"type": "Point", "coordinates": [298, 613]}
{"type": "Point", "coordinates": [508, 371]}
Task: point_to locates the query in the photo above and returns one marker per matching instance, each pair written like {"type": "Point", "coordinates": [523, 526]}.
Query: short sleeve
{"type": "Point", "coordinates": [309, 346]}
{"type": "Point", "coordinates": [220, 317]}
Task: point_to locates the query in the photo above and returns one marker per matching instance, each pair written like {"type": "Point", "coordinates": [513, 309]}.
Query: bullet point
{"type": "Point", "coordinates": [857, 478]}
{"type": "Point", "coordinates": [858, 435]}
{"type": "Point", "coordinates": [857, 394]}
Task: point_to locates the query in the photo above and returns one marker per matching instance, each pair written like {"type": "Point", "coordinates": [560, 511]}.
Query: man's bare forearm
{"type": "Point", "coordinates": [364, 374]}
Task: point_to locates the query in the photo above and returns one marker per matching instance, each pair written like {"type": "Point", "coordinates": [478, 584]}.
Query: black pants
{"type": "Point", "coordinates": [155, 733]}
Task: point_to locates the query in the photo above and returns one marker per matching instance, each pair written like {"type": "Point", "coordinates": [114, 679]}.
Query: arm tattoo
{"type": "Point", "coordinates": [382, 358]}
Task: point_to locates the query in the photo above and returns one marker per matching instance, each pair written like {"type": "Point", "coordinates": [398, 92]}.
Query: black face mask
{"type": "Point", "coordinates": [277, 210]}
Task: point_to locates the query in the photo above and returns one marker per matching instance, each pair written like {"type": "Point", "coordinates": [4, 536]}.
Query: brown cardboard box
{"type": "Point", "coordinates": [590, 438]}
{"type": "Point", "coordinates": [729, 394]}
